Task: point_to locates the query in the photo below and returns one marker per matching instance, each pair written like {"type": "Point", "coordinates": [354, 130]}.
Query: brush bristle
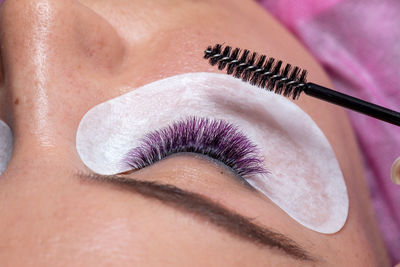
{"type": "Point", "coordinates": [258, 70]}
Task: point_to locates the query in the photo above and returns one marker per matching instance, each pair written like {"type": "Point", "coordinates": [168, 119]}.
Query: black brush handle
{"type": "Point", "coordinates": [353, 103]}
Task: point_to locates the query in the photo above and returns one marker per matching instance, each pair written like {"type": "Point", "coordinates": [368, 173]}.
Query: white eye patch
{"type": "Point", "coordinates": [6, 145]}
{"type": "Point", "coordinates": [305, 179]}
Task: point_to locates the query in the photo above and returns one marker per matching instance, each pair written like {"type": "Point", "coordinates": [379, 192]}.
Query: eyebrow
{"type": "Point", "coordinates": [196, 204]}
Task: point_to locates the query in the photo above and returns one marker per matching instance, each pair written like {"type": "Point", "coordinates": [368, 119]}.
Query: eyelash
{"type": "Point", "coordinates": [216, 139]}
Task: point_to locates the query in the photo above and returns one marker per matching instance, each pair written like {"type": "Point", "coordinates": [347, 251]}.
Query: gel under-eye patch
{"type": "Point", "coordinates": [6, 145]}
{"type": "Point", "coordinates": [135, 129]}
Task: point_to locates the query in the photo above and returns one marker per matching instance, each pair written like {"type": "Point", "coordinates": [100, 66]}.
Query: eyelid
{"type": "Point", "coordinates": [216, 139]}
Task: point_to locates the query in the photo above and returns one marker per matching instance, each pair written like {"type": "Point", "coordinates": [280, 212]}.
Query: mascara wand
{"type": "Point", "coordinates": [284, 79]}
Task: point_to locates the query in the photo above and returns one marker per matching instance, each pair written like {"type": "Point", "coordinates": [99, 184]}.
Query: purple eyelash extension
{"type": "Point", "coordinates": [216, 139]}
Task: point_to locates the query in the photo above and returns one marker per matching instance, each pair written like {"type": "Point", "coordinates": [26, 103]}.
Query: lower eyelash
{"type": "Point", "coordinates": [216, 139]}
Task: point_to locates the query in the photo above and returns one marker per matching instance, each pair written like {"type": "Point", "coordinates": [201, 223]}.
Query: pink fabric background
{"type": "Point", "coordinates": [358, 43]}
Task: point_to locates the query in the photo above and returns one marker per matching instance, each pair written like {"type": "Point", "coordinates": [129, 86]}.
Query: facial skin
{"type": "Point", "coordinates": [62, 57]}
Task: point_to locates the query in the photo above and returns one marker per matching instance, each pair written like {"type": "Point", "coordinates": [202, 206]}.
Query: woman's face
{"type": "Point", "coordinates": [61, 58]}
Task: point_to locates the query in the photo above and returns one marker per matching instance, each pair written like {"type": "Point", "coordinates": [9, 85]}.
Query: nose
{"type": "Point", "coordinates": [54, 52]}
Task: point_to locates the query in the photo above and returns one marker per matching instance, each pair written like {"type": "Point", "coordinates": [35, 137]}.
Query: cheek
{"type": "Point", "coordinates": [6, 146]}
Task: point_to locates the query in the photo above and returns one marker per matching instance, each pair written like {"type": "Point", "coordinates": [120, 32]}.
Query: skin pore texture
{"type": "Point", "coordinates": [60, 58]}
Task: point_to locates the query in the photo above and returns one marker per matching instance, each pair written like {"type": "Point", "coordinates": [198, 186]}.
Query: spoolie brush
{"type": "Point", "coordinates": [289, 81]}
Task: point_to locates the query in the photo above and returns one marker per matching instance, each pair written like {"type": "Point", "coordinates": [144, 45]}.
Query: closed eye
{"type": "Point", "coordinates": [213, 138]}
